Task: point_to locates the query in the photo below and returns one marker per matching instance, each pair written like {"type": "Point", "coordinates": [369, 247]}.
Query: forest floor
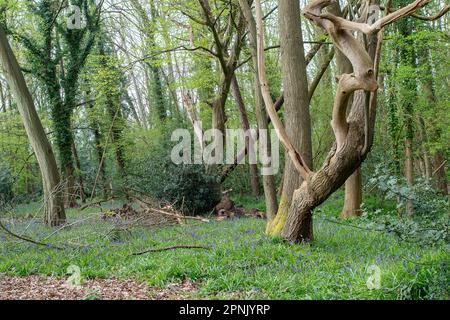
{"type": "Point", "coordinates": [242, 263]}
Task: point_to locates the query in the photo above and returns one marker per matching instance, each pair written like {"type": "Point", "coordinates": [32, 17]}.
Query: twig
{"type": "Point", "coordinates": [48, 245]}
{"type": "Point", "coordinates": [178, 216]}
{"type": "Point", "coordinates": [66, 226]}
{"type": "Point", "coordinates": [168, 213]}
{"type": "Point", "coordinates": [171, 248]}
{"type": "Point", "coordinates": [350, 225]}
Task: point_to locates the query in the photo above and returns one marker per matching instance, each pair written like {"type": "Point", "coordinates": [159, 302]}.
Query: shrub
{"type": "Point", "coordinates": [190, 188]}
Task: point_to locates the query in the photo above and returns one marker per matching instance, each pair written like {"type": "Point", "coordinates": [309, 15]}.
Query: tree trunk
{"type": "Point", "coordinates": [2, 99]}
{"type": "Point", "coordinates": [54, 214]}
{"type": "Point", "coordinates": [219, 117]}
{"type": "Point", "coordinates": [426, 155]}
{"type": "Point", "coordinates": [409, 163]}
{"type": "Point", "coordinates": [249, 143]}
{"type": "Point", "coordinates": [98, 148]}
{"type": "Point", "coordinates": [353, 185]}
{"type": "Point", "coordinates": [270, 193]}
{"type": "Point", "coordinates": [441, 176]}
{"type": "Point", "coordinates": [296, 102]}
{"type": "Point", "coordinates": [353, 195]}
{"type": "Point", "coordinates": [440, 163]}
{"type": "Point", "coordinates": [339, 165]}
{"type": "Point", "coordinates": [80, 174]}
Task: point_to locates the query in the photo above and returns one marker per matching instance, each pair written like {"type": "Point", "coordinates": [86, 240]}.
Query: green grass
{"type": "Point", "coordinates": [243, 262]}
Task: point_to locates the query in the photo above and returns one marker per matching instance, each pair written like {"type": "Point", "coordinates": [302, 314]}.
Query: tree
{"type": "Point", "coordinates": [354, 134]}
{"type": "Point", "coordinates": [228, 44]}
{"type": "Point", "coordinates": [353, 185]}
{"type": "Point", "coordinates": [72, 47]}
{"type": "Point", "coordinates": [54, 214]}
{"type": "Point", "coordinates": [296, 103]}
{"type": "Point", "coordinates": [261, 115]}
{"type": "Point", "coordinates": [148, 27]}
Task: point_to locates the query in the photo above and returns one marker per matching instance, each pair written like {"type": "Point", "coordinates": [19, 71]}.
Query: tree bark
{"type": "Point", "coordinates": [54, 214]}
{"type": "Point", "coordinates": [353, 185]}
{"type": "Point", "coordinates": [353, 195]}
{"type": "Point", "coordinates": [296, 102]}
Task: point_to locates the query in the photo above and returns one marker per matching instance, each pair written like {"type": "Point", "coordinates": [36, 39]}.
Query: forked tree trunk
{"type": "Point", "coordinates": [354, 134]}
{"type": "Point", "coordinates": [339, 165]}
{"type": "Point", "coordinates": [54, 214]}
{"type": "Point", "coordinates": [353, 185]}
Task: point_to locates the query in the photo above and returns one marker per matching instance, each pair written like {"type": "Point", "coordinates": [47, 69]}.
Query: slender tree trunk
{"type": "Point", "coordinates": [219, 117]}
{"type": "Point", "coordinates": [2, 99]}
{"type": "Point", "coordinates": [102, 169]}
{"type": "Point", "coordinates": [426, 155]}
{"type": "Point", "coordinates": [297, 117]}
{"type": "Point", "coordinates": [439, 158]}
{"type": "Point", "coordinates": [270, 193]}
{"type": "Point", "coordinates": [98, 148]}
{"type": "Point", "coordinates": [80, 173]}
{"type": "Point", "coordinates": [408, 56]}
{"type": "Point", "coordinates": [440, 166]}
{"type": "Point", "coordinates": [54, 214]}
{"type": "Point", "coordinates": [249, 143]}
{"type": "Point", "coordinates": [142, 118]}
{"type": "Point", "coordinates": [409, 166]}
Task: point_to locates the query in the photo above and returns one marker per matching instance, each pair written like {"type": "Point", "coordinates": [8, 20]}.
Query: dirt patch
{"type": "Point", "coordinates": [50, 288]}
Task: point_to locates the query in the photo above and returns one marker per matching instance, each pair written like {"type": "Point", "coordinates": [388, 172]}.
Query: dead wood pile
{"type": "Point", "coordinates": [147, 212]}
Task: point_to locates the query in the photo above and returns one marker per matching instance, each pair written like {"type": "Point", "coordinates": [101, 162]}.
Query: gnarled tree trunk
{"type": "Point", "coordinates": [354, 134]}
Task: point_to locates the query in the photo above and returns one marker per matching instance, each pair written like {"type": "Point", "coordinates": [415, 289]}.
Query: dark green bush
{"type": "Point", "coordinates": [190, 188]}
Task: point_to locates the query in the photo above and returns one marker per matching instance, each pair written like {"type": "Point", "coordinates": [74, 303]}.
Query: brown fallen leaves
{"type": "Point", "coordinates": [50, 288]}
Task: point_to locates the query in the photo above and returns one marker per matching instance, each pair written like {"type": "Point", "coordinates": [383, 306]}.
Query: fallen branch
{"type": "Point", "coordinates": [15, 235]}
{"type": "Point", "coordinates": [178, 216]}
{"type": "Point", "coordinates": [171, 248]}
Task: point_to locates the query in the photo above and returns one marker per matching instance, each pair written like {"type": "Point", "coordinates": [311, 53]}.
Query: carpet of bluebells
{"type": "Point", "coordinates": [242, 262]}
